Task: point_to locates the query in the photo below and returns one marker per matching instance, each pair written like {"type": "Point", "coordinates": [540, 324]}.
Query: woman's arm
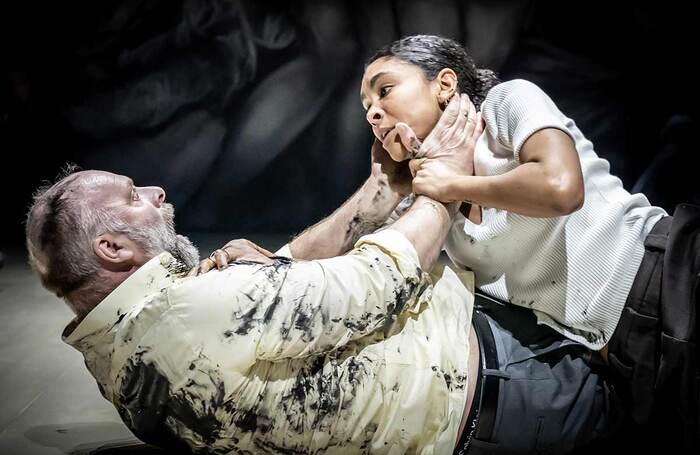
{"type": "Point", "coordinates": [548, 183]}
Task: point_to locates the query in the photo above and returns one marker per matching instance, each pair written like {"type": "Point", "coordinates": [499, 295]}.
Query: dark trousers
{"type": "Point", "coordinates": [551, 396]}
{"type": "Point", "coordinates": [653, 353]}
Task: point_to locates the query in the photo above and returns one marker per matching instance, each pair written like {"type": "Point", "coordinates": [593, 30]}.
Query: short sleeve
{"type": "Point", "coordinates": [515, 110]}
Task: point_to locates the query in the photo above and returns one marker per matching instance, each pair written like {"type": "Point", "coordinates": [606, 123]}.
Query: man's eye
{"type": "Point", "coordinates": [135, 195]}
{"type": "Point", "coordinates": [384, 91]}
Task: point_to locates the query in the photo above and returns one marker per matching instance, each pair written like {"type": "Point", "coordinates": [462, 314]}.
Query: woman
{"type": "Point", "coordinates": [547, 227]}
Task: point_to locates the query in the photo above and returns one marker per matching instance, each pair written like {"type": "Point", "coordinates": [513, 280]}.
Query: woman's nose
{"type": "Point", "coordinates": [374, 116]}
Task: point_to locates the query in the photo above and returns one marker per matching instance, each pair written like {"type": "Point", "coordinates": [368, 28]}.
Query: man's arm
{"type": "Point", "coordinates": [425, 225]}
{"type": "Point", "coordinates": [324, 304]}
{"type": "Point", "coordinates": [365, 211]}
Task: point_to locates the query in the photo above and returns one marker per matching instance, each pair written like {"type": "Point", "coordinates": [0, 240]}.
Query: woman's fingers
{"type": "Point", "coordinates": [460, 123]}
{"type": "Point", "coordinates": [478, 127]}
{"type": "Point", "coordinates": [420, 185]}
{"type": "Point", "coordinates": [415, 165]}
{"type": "Point", "coordinates": [449, 116]}
{"type": "Point", "coordinates": [471, 122]}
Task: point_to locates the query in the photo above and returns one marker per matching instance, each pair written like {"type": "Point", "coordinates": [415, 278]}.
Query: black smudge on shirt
{"type": "Point", "coordinates": [275, 275]}
{"type": "Point", "coordinates": [143, 403]}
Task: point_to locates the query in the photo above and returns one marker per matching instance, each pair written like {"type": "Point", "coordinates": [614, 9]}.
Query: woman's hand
{"type": "Point", "coordinates": [437, 171]}
{"type": "Point", "coordinates": [436, 179]}
{"type": "Point", "coordinates": [235, 250]}
{"type": "Point", "coordinates": [448, 136]}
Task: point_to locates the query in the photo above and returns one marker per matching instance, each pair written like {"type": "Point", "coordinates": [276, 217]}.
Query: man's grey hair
{"type": "Point", "coordinates": [60, 229]}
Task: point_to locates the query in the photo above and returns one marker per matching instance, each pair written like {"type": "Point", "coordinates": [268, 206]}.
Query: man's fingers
{"type": "Point", "coordinates": [263, 251]}
{"type": "Point", "coordinates": [256, 257]}
{"type": "Point", "coordinates": [252, 245]}
{"type": "Point", "coordinates": [236, 248]}
{"type": "Point", "coordinates": [409, 139]}
{"type": "Point", "coordinates": [231, 252]}
{"type": "Point", "coordinates": [220, 258]}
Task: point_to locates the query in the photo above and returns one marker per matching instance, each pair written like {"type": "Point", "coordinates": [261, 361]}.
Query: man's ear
{"type": "Point", "coordinates": [446, 86]}
{"type": "Point", "coordinates": [116, 253]}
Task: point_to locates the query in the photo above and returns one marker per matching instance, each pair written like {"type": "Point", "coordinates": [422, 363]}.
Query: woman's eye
{"type": "Point", "coordinates": [135, 195]}
{"type": "Point", "coordinates": [384, 91]}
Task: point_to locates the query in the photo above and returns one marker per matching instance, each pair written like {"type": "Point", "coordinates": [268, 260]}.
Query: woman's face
{"type": "Point", "coordinates": [394, 91]}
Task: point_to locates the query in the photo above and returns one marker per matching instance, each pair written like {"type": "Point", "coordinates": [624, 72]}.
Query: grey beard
{"type": "Point", "coordinates": [156, 238]}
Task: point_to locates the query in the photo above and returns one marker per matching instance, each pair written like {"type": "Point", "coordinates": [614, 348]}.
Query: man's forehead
{"type": "Point", "coordinates": [100, 178]}
{"type": "Point", "coordinates": [99, 183]}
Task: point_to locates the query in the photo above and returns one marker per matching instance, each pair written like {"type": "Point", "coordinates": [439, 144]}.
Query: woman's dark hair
{"type": "Point", "coordinates": [433, 53]}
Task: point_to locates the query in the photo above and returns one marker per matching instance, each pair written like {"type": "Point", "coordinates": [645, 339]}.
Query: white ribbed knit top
{"type": "Point", "coordinates": [574, 271]}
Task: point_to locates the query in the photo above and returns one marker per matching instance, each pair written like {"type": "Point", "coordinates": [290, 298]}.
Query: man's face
{"type": "Point", "coordinates": [135, 205]}
{"type": "Point", "coordinates": [141, 214]}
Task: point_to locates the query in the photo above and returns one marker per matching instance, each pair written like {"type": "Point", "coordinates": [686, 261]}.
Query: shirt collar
{"type": "Point", "coordinates": [154, 276]}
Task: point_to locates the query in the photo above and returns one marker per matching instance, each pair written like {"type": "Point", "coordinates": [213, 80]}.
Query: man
{"type": "Point", "coordinates": [360, 353]}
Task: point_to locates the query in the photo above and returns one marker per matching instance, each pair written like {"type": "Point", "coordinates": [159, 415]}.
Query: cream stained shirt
{"type": "Point", "coordinates": [354, 354]}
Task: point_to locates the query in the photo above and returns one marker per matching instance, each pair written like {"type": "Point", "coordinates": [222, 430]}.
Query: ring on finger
{"type": "Point", "coordinates": [211, 256]}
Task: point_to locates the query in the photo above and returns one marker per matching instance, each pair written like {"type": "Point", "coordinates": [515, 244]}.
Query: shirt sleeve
{"type": "Point", "coordinates": [324, 304]}
{"type": "Point", "coordinates": [398, 212]}
{"type": "Point", "coordinates": [515, 110]}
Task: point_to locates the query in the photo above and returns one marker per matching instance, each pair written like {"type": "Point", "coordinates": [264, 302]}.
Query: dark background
{"type": "Point", "coordinates": [248, 113]}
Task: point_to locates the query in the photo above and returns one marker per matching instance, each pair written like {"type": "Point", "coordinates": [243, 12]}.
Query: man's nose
{"type": "Point", "coordinates": [155, 194]}
{"type": "Point", "coordinates": [375, 116]}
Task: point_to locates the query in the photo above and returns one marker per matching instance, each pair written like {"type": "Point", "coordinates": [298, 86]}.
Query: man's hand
{"type": "Point", "coordinates": [385, 169]}
{"type": "Point", "coordinates": [235, 250]}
